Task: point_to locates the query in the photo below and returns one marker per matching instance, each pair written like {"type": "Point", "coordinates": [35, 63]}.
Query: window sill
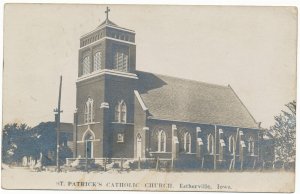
{"type": "Point", "coordinates": [253, 155]}
{"type": "Point", "coordinates": [160, 152]}
{"type": "Point", "coordinates": [85, 124]}
{"type": "Point", "coordinates": [188, 153]}
{"type": "Point", "coordinates": [121, 123]}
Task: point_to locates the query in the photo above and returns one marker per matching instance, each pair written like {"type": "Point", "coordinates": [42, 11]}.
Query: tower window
{"type": "Point", "coordinates": [121, 60]}
{"type": "Point", "coordinates": [121, 112]}
{"type": "Point", "coordinates": [97, 61]}
{"type": "Point", "coordinates": [89, 111]}
{"type": "Point", "coordinates": [86, 65]}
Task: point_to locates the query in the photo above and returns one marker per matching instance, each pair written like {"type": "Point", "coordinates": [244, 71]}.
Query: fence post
{"type": "Point", "coordinates": [86, 164]}
{"type": "Point", "coordinates": [254, 163]}
{"type": "Point", "coordinates": [157, 163]}
{"type": "Point", "coordinates": [121, 164]}
{"type": "Point", "coordinates": [104, 164]}
{"type": "Point", "coordinates": [231, 164]}
{"type": "Point", "coordinates": [139, 163]}
{"type": "Point", "coordinates": [242, 162]}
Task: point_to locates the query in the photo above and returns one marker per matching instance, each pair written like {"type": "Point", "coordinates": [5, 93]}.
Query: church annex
{"type": "Point", "coordinates": [135, 115]}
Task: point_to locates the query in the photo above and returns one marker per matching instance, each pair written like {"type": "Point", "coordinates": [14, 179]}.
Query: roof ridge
{"type": "Point", "coordinates": [235, 94]}
{"type": "Point", "coordinates": [186, 79]}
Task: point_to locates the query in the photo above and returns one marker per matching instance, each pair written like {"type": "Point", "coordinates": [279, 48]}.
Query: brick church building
{"type": "Point", "coordinates": [126, 113]}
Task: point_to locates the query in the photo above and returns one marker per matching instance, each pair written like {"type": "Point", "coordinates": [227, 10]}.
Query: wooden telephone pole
{"type": "Point", "coordinates": [57, 119]}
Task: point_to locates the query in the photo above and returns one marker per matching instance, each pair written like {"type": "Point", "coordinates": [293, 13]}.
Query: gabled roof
{"type": "Point", "coordinates": [175, 99]}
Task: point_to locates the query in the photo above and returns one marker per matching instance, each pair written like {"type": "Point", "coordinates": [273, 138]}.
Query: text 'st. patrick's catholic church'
{"type": "Point", "coordinates": [130, 114]}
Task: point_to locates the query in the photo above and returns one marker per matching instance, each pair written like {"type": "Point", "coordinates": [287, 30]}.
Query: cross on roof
{"type": "Point", "coordinates": [107, 10]}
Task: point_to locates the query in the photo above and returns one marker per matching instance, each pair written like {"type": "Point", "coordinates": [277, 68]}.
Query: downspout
{"type": "Point", "coordinates": [75, 134]}
{"type": "Point", "coordinates": [236, 146]}
{"type": "Point", "coordinates": [215, 149]}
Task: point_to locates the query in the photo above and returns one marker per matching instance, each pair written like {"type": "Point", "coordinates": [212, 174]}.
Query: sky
{"type": "Point", "coordinates": [251, 48]}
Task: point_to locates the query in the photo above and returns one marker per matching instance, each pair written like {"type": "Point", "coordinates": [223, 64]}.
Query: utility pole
{"type": "Point", "coordinates": [57, 119]}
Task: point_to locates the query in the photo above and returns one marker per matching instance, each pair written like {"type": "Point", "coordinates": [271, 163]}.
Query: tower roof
{"type": "Point", "coordinates": [107, 22]}
{"type": "Point", "coordinates": [112, 30]}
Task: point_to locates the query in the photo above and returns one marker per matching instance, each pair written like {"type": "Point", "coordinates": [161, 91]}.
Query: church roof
{"type": "Point", "coordinates": [175, 99]}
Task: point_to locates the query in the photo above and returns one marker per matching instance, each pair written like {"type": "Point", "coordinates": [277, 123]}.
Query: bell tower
{"type": "Point", "coordinates": [109, 47]}
{"type": "Point", "coordinates": [105, 92]}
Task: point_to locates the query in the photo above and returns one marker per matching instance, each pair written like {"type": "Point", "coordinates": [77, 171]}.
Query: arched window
{"type": "Point", "coordinates": [187, 142]}
{"type": "Point", "coordinates": [121, 112]}
{"type": "Point", "coordinates": [97, 61]}
{"type": "Point", "coordinates": [120, 60]}
{"type": "Point", "coordinates": [117, 113]}
{"type": "Point", "coordinates": [88, 111]}
{"type": "Point", "coordinates": [210, 144]}
{"type": "Point", "coordinates": [85, 113]}
{"type": "Point", "coordinates": [86, 65]}
{"type": "Point", "coordinates": [162, 141]}
{"type": "Point", "coordinates": [138, 146]}
{"type": "Point", "coordinates": [251, 146]}
{"type": "Point", "coordinates": [231, 141]}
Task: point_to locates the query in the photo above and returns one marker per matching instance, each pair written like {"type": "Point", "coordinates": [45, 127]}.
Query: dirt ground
{"type": "Point", "coordinates": [150, 180]}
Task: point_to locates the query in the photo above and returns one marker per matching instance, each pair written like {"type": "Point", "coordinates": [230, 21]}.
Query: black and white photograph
{"type": "Point", "coordinates": [149, 97]}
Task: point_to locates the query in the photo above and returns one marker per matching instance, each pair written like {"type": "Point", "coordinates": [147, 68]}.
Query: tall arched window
{"type": "Point", "coordinates": [187, 142]}
{"type": "Point", "coordinates": [120, 60]}
{"type": "Point", "coordinates": [86, 65]}
{"type": "Point", "coordinates": [88, 111]}
{"type": "Point", "coordinates": [162, 141]}
{"type": "Point", "coordinates": [138, 146]}
{"type": "Point", "coordinates": [210, 144]}
{"type": "Point", "coordinates": [121, 112]}
{"type": "Point", "coordinates": [97, 61]}
{"type": "Point", "coordinates": [231, 141]}
{"type": "Point", "coordinates": [117, 113]}
{"type": "Point", "coordinates": [251, 146]}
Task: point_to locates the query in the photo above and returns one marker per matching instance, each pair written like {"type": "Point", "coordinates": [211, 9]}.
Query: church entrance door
{"type": "Point", "coordinates": [89, 149]}
{"type": "Point", "coordinates": [138, 146]}
{"type": "Point", "coordinates": [89, 146]}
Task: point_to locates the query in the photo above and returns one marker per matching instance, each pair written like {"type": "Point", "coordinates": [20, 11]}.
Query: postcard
{"type": "Point", "coordinates": [149, 97]}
